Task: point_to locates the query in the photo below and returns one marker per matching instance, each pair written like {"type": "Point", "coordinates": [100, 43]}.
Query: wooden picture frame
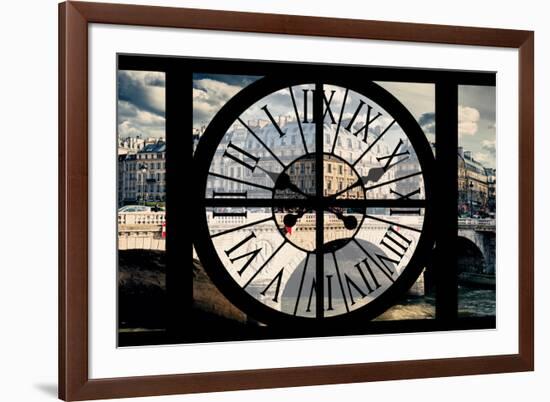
{"type": "Point", "coordinates": [74, 381]}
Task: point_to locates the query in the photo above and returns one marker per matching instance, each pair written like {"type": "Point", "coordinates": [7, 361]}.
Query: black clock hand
{"type": "Point", "coordinates": [272, 175]}
{"type": "Point", "coordinates": [282, 181]}
{"type": "Point", "coordinates": [374, 175]}
{"type": "Point", "coordinates": [356, 184]}
{"type": "Point", "coordinates": [350, 222]}
{"type": "Point", "coordinates": [290, 219]}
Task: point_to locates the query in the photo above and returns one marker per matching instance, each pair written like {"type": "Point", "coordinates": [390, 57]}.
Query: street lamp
{"type": "Point", "coordinates": [143, 170]}
{"type": "Point", "coordinates": [471, 185]}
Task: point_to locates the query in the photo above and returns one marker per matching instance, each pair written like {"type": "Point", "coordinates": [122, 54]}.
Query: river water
{"type": "Point", "coordinates": [142, 284]}
{"type": "Point", "coordinates": [471, 303]}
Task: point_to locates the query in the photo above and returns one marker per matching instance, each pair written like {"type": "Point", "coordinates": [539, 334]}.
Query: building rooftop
{"type": "Point", "coordinates": [159, 146]}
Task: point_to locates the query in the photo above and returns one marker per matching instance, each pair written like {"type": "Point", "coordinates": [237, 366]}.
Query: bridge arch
{"type": "Point", "coordinates": [470, 257]}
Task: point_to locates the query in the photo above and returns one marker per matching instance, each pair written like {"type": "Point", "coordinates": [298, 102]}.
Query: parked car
{"type": "Point", "coordinates": [135, 208]}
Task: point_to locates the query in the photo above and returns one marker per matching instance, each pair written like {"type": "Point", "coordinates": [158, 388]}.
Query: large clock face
{"type": "Point", "coordinates": [314, 200]}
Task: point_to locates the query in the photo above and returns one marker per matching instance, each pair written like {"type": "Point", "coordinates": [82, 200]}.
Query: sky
{"type": "Point", "coordinates": [141, 107]}
{"type": "Point", "coordinates": [141, 104]}
{"type": "Point", "coordinates": [211, 91]}
{"type": "Point", "coordinates": [477, 122]}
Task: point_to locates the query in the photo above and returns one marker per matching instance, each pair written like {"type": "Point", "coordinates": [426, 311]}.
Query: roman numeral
{"type": "Point", "coordinates": [394, 154]}
{"type": "Point", "coordinates": [253, 133]}
{"type": "Point", "coordinates": [385, 183]}
{"type": "Point", "coordinates": [277, 278]}
{"type": "Point", "coordinates": [259, 270]}
{"type": "Point", "coordinates": [395, 242]}
{"type": "Point", "coordinates": [327, 102]}
{"type": "Point", "coordinates": [306, 91]}
{"type": "Point", "coordinates": [350, 284]}
{"type": "Point", "coordinates": [329, 292]}
{"type": "Point", "coordinates": [334, 142]}
{"type": "Point", "coordinates": [270, 116]}
{"type": "Point", "coordinates": [328, 110]}
{"type": "Point", "coordinates": [375, 283]}
{"type": "Point", "coordinates": [245, 155]}
{"type": "Point", "coordinates": [371, 284]}
{"type": "Point", "coordinates": [313, 290]}
{"type": "Point", "coordinates": [407, 196]}
{"type": "Point", "coordinates": [403, 211]}
{"type": "Point", "coordinates": [368, 122]}
{"type": "Point", "coordinates": [251, 254]}
{"type": "Point", "coordinates": [340, 280]}
{"type": "Point", "coordinates": [313, 287]}
{"type": "Point", "coordinates": [384, 264]}
{"type": "Point", "coordinates": [298, 119]}
{"type": "Point", "coordinates": [240, 194]}
{"type": "Point", "coordinates": [301, 284]}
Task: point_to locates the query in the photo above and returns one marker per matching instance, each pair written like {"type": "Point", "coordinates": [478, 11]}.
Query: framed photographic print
{"type": "Point", "coordinates": [255, 200]}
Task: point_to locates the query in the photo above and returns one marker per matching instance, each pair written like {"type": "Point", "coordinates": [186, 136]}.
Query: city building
{"type": "Point", "coordinates": [474, 198]}
{"type": "Point", "coordinates": [288, 148]}
{"type": "Point", "coordinates": [142, 166]}
{"type": "Point", "coordinates": [302, 173]}
{"type": "Point", "coordinates": [492, 189]}
{"type": "Point", "coordinates": [338, 176]}
{"type": "Point", "coordinates": [130, 145]}
{"type": "Point", "coordinates": [142, 175]}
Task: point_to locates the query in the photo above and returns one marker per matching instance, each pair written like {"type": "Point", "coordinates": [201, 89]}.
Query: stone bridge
{"type": "Point", "coordinates": [476, 238]}
{"type": "Point", "coordinates": [476, 246]}
{"type": "Point", "coordinates": [141, 230]}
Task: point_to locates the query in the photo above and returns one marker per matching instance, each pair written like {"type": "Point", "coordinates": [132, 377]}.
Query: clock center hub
{"type": "Point", "coordinates": [298, 181]}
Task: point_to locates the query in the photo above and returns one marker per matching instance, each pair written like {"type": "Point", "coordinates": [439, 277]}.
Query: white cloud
{"type": "Point", "coordinates": [133, 121]}
{"type": "Point", "coordinates": [489, 146]}
{"type": "Point", "coordinates": [417, 98]}
{"type": "Point", "coordinates": [143, 89]}
{"type": "Point", "coordinates": [484, 159]}
{"type": "Point", "coordinates": [155, 78]}
{"type": "Point", "coordinates": [127, 129]}
{"type": "Point", "coordinates": [210, 95]}
{"type": "Point", "coordinates": [468, 118]}
{"type": "Point", "coordinates": [208, 98]}
{"type": "Point", "coordinates": [130, 128]}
